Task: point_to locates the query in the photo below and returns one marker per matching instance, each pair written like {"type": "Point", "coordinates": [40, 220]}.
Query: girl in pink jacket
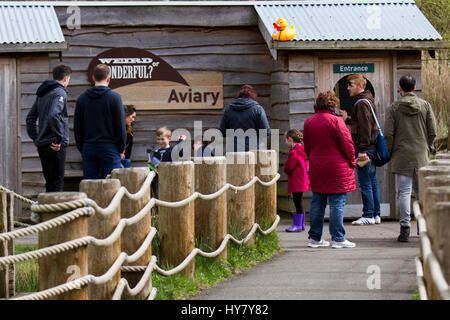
{"type": "Point", "coordinates": [295, 168]}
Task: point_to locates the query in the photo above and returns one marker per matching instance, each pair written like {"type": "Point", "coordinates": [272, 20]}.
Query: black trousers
{"type": "Point", "coordinates": [298, 201]}
{"type": "Point", "coordinates": [53, 167]}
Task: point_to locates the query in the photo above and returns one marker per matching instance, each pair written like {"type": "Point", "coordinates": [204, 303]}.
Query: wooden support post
{"type": "Point", "coordinates": [211, 215]}
{"type": "Point", "coordinates": [134, 235]}
{"type": "Point", "coordinates": [176, 225]}
{"type": "Point", "coordinates": [432, 196]}
{"type": "Point", "coordinates": [426, 172]}
{"type": "Point", "coordinates": [241, 204]}
{"type": "Point", "coordinates": [266, 197]}
{"type": "Point", "coordinates": [4, 273]}
{"type": "Point", "coordinates": [56, 269]}
{"type": "Point", "coordinates": [441, 247]}
{"type": "Point", "coordinates": [101, 259]}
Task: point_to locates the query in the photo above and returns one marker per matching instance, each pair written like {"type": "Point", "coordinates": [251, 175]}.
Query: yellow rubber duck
{"type": "Point", "coordinates": [283, 32]}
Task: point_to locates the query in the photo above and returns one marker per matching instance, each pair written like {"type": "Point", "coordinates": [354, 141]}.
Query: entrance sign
{"type": "Point", "coordinates": [150, 83]}
{"type": "Point", "coordinates": [354, 68]}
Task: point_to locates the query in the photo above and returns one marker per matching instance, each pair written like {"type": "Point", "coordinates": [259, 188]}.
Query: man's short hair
{"type": "Point", "coordinates": [358, 79]}
{"type": "Point", "coordinates": [407, 83]}
{"type": "Point", "coordinates": [101, 72]}
{"type": "Point", "coordinates": [163, 131]}
{"type": "Point", "coordinates": [61, 71]}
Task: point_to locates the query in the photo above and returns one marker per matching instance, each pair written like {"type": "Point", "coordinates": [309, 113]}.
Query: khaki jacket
{"type": "Point", "coordinates": [409, 131]}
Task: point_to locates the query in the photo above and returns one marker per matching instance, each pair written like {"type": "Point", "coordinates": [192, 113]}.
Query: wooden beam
{"type": "Point", "coordinates": [360, 45]}
{"type": "Point", "coordinates": [34, 47]}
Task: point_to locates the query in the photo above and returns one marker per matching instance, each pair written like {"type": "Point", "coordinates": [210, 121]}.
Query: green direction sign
{"type": "Point", "coordinates": [353, 68]}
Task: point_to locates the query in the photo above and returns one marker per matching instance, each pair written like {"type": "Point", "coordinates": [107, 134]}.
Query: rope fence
{"type": "Point", "coordinates": [88, 207]}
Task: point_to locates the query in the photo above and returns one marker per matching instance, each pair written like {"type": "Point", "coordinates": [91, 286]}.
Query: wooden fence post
{"type": "Point", "coordinates": [432, 196]}
{"type": "Point", "coordinates": [134, 235]}
{"type": "Point", "coordinates": [441, 246]}
{"type": "Point", "coordinates": [426, 172]}
{"type": "Point", "coordinates": [56, 269]}
{"type": "Point", "coordinates": [176, 225]}
{"type": "Point", "coordinates": [266, 197]}
{"type": "Point", "coordinates": [241, 204]}
{"type": "Point", "coordinates": [100, 259]}
{"type": "Point", "coordinates": [211, 215]}
{"type": "Point", "coordinates": [4, 273]}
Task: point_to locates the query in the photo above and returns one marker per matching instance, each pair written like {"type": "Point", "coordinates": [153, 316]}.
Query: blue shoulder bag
{"type": "Point", "coordinates": [381, 156]}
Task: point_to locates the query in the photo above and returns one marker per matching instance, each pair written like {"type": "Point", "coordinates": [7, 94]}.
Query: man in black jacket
{"type": "Point", "coordinates": [53, 136]}
{"type": "Point", "coordinates": [99, 126]}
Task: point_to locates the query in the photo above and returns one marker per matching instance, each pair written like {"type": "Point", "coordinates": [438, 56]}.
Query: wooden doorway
{"type": "Point", "coordinates": [9, 173]}
{"type": "Point", "coordinates": [328, 74]}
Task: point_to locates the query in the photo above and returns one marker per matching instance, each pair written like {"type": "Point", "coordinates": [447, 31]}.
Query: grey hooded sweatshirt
{"type": "Point", "coordinates": [409, 131]}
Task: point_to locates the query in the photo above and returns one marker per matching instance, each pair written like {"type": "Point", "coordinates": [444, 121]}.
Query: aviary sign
{"type": "Point", "coordinates": [150, 83]}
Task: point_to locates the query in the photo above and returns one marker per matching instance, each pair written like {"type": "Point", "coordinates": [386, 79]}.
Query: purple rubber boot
{"type": "Point", "coordinates": [302, 221]}
{"type": "Point", "coordinates": [297, 224]}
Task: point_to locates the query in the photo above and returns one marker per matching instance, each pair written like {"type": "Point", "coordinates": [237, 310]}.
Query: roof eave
{"type": "Point", "coordinates": [360, 45]}
{"type": "Point", "coordinates": [33, 47]}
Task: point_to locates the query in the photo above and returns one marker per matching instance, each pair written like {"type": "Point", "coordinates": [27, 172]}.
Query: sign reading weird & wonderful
{"type": "Point", "coordinates": [150, 83]}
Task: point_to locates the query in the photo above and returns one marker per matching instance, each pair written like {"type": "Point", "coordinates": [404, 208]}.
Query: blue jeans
{"type": "Point", "coordinates": [317, 214]}
{"type": "Point", "coordinates": [98, 162]}
{"type": "Point", "coordinates": [126, 163]}
{"type": "Point", "coordinates": [368, 186]}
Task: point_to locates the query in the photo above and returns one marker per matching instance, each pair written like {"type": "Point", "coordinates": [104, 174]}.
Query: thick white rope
{"type": "Point", "coordinates": [55, 222]}
{"type": "Point", "coordinates": [124, 258]}
{"type": "Point", "coordinates": [16, 195]}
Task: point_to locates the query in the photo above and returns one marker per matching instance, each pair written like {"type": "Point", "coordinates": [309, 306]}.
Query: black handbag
{"type": "Point", "coordinates": [381, 156]}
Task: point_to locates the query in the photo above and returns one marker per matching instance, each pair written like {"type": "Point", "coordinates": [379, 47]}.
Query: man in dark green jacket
{"type": "Point", "coordinates": [409, 131]}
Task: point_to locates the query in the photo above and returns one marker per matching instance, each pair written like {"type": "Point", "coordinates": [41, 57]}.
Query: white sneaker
{"type": "Point", "coordinates": [377, 220]}
{"type": "Point", "coordinates": [316, 244]}
{"type": "Point", "coordinates": [343, 244]}
{"type": "Point", "coordinates": [363, 221]}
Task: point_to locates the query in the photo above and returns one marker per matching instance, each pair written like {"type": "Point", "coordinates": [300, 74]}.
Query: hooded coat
{"type": "Point", "coordinates": [295, 168]}
{"type": "Point", "coordinates": [244, 113]}
{"type": "Point", "coordinates": [409, 132]}
{"type": "Point", "coordinates": [50, 108]}
{"type": "Point", "coordinates": [100, 119]}
{"type": "Point", "coordinates": [329, 146]}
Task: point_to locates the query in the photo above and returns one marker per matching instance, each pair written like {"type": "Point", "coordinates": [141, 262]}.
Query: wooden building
{"type": "Point", "coordinates": [232, 38]}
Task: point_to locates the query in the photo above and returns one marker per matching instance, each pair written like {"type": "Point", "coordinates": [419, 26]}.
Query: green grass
{"type": "Point", "coordinates": [416, 295]}
{"type": "Point", "coordinates": [209, 272]}
{"type": "Point", "coordinates": [27, 272]}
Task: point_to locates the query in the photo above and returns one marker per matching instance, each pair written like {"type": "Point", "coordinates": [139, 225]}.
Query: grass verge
{"type": "Point", "coordinates": [209, 272]}
{"type": "Point", "coordinates": [27, 272]}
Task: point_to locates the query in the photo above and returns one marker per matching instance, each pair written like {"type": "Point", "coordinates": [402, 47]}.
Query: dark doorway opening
{"type": "Point", "coordinates": [345, 101]}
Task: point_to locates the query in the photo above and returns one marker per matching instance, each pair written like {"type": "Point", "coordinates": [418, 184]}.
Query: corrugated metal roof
{"type": "Point", "coordinates": [24, 24]}
{"type": "Point", "coordinates": [350, 20]}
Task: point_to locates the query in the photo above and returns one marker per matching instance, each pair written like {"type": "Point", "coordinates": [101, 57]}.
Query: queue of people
{"type": "Point", "coordinates": [104, 136]}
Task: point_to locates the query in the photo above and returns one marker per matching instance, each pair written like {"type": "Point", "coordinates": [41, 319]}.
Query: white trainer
{"type": "Point", "coordinates": [343, 244]}
{"type": "Point", "coordinates": [377, 220]}
{"type": "Point", "coordinates": [364, 221]}
{"type": "Point", "coordinates": [316, 244]}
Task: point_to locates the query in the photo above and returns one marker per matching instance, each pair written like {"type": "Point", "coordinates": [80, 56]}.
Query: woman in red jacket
{"type": "Point", "coordinates": [295, 168]}
{"type": "Point", "coordinates": [329, 146]}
